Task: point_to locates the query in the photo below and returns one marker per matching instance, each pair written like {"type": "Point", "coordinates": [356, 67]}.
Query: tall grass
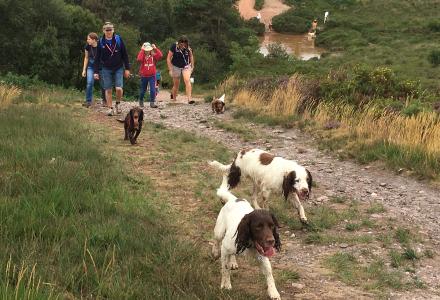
{"type": "Point", "coordinates": [7, 94]}
{"type": "Point", "coordinates": [409, 141]}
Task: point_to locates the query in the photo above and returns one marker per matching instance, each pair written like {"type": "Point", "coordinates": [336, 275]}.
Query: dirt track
{"type": "Point", "coordinates": [270, 9]}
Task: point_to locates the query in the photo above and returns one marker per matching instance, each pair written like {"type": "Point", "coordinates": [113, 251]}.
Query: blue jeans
{"type": "Point", "coordinates": [110, 76]}
{"type": "Point", "coordinates": [151, 80]}
{"type": "Point", "coordinates": [89, 86]}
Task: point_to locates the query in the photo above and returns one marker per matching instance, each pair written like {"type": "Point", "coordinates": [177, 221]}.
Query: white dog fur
{"type": "Point", "coordinates": [270, 173]}
{"type": "Point", "coordinates": [225, 232]}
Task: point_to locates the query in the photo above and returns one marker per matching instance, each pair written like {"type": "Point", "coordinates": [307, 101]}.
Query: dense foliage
{"type": "Point", "coordinates": [47, 40]}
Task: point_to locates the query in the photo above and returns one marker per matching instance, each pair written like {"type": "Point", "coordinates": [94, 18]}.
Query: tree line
{"type": "Point", "coordinates": [46, 39]}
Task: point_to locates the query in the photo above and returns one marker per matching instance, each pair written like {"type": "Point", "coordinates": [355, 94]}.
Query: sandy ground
{"type": "Point", "coordinates": [270, 9]}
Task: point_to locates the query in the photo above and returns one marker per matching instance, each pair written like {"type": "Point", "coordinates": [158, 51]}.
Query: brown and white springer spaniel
{"type": "Point", "coordinates": [133, 124]}
{"type": "Point", "coordinates": [218, 104]}
{"type": "Point", "coordinates": [270, 173]}
{"type": "Point", "coordinates": [241, 229]}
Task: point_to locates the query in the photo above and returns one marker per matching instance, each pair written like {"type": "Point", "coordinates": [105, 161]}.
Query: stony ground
{"type": "Point", "coordinates": [409, 202]}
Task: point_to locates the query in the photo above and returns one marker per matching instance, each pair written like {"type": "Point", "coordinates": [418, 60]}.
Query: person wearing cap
{"type": "Point", "coordinates": [112, 56]}
{"type": "Point", "coordinates": [180, 61]}
{"type": "Point", "coordinates": [148, 57]}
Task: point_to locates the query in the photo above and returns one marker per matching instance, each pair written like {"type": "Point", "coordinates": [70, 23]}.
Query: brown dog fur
{"type": "Point", "coordinates": [217, 106]}
{"type": "Point", "coordinates": [133, 124]}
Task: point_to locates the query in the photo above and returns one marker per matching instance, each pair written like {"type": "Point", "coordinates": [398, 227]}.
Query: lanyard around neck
{"type": "Point", "coordinates": [112, 51]}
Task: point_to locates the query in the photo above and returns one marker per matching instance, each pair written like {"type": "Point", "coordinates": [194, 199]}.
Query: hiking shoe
{"type": "Point", "coordinates": [111, 112]}
{"type": "Point", "coordinates": [171, 96]}
{"type": "Point", "coordinates": [118, 108]}
{"type": "Point", "coordinates": [153, 105]}
{"type": "Point", "coordinates": [86, 104]}
{"type": "Point", "coordinates": [191, 102]}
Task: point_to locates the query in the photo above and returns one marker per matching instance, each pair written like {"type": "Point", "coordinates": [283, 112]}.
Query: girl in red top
{"type": "Point", "coordinates": [148, 57]}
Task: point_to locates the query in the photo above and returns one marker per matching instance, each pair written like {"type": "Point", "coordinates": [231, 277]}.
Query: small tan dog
{"type": "Point", "coordinates": [218, 105]}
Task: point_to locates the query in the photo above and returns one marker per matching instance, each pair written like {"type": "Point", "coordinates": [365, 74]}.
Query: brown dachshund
{"type": "Point", "coordinates": [218, 105]}
{"type": "Point", "coordinates": [133, 124]}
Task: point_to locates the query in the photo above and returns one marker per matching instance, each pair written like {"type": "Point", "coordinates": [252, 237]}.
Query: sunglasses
{"type": "Point", "coordinates": [109, 29]}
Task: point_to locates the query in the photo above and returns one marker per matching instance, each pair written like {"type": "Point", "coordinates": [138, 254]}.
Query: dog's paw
{"type": "Point", "coordinates": [226, 286]}
{"type": "Point", "coordinates": [233, 263]}
{"type": "Point", "coordinates": [304, 221]}
{"type": "Point", "coordinates": [273, 294]}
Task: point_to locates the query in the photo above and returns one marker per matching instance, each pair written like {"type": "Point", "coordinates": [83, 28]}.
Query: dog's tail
{"type": "Point", "coordinates": [220, 166]}
{"type": "Point", "coordinates": [223, 191]}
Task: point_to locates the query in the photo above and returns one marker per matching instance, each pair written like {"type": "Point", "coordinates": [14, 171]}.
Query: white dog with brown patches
{"type": "Point", "coordinates": [240, 228]}
{"type": "Point", "coordinates": [270, 173]}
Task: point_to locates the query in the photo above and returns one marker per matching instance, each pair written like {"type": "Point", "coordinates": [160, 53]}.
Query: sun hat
{"type": "Point", "coordinates": [147, 46]}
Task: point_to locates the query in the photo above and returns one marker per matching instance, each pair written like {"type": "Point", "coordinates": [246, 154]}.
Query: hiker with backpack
{"type": "Point", "coordinates": [112, 56]}
{"type": "Point", "coordinates": [148, 57]}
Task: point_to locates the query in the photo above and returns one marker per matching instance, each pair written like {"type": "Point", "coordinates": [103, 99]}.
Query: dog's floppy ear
{"type": "Point", "coordinates": [141, 118]}
{"type": "Point", "coordinates": [275, 233]}
{"type": "Point", "coordinates": [243, 240]}
{"type": "Point", "coordinates": [288, 182]}
{"type": "Point", "coordinates": [309, 180]}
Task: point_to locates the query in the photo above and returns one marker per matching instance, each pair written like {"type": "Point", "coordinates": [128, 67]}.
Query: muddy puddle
{"type": "Point", "coordinates": [300, 46]}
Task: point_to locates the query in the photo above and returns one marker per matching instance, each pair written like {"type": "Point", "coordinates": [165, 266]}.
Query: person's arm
{"type": "Point", "coordinates": [124, 55]}
{"type": "Point", "coordinates": [157, 53]}
{"type": "Point", "coordinates": [86, 62]}
{"type": "Point", "coordinates": [191, 59]}
{"type": "Point", "coordinates": [97, 62]}
{"type": "Point", "coordinates": [141, 56]}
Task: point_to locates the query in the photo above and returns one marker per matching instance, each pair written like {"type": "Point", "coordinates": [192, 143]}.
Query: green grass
{"type": "Point", "coordinates": [91, 227]}
{"type": "Point", "coordinates": [376, 208]}
{"type": "Point", "coordinates": [372, 276]}
{"type": "Point", "coordinates": [238, 128]}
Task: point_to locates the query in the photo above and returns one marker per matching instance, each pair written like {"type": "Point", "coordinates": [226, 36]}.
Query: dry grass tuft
{"type": "Point", "coordinates": [7, 94]}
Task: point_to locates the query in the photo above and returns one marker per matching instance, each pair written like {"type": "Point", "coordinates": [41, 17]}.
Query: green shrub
{"type": "Point", "coordinates": [256, 26]}
{"type": "Point", "coordinates": [434, 58]}
{"type": "Point", "coordinates": [290, 23]}
{"type": "Point", "coordinates": [258, 4]}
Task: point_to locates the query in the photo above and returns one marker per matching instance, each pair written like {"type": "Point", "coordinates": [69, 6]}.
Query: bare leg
{"type": "Point", "coordinates": [188, 88]}
{"type": "Point", "coordinates": [108, 97]}
{"type": "Point", "coordinates": [176, 82]}
{"type": "Point", "coordinates": [119, 93]}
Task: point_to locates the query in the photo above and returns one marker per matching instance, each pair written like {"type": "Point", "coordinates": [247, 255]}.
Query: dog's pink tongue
{"type": "Point", "coordinates": [269, 252]}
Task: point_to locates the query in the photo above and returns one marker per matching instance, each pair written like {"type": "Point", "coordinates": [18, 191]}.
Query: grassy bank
{"type": "Point", "coordinates": [77, 222]}
{"type": "Point", "coordinates": [401, 35]}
